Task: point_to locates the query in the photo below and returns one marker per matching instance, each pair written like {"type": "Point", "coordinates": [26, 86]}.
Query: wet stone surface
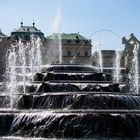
{"type": "Point", "coordinates": [72, 101]}
{"type": "Point", "coordinates": [79, 101]}
{"type": "Point", "coordinates": [75, 125]}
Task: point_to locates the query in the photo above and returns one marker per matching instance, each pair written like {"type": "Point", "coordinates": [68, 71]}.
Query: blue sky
{"type": "Point", "coordinates": [83, 16]}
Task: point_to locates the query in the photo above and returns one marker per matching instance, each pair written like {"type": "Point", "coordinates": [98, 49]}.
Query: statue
{"type": "Point", "coordinates": [130, 44]}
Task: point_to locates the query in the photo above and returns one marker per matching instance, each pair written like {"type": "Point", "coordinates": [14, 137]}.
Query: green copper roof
{"type": "Point", "coordinates": [31, 29]}
{"type": "Point", "coordinates": [25, 32]}
{"type": "Point", "coordinates": [71, 36]}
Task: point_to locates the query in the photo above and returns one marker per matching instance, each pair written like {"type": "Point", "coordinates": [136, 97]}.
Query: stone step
{"type": "Point", "coordinates": [73, 87]}
{"type": "Point", "coordinates": [77, 77]}
{"type": "Point", "coordinates": [69, 68]}
{"type": "Point", "coordinates": [70, 123]}
{"type": "Point", "coordinates": [75, 125]}
{"type": "Point", "coordinates": [78, 100]}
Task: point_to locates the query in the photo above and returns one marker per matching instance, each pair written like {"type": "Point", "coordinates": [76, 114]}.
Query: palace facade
{"type": "Point", "coordinates": [75, 47]}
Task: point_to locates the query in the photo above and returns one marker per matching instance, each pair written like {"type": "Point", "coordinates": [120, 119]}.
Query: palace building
{"type": "Point", "coordinates": [25, 32]}
{"type": "Point", "coordinates": [75, 47]}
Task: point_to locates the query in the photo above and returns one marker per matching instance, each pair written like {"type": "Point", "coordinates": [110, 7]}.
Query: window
{"type": "Point", "coordinates": [86, 53]}
{"type": "Point", "coordinates": [69, 53]}
{"type": "Point", "coordinates": [68, 41]}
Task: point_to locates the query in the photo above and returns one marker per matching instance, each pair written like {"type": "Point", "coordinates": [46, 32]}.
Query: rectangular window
{"type": "Point", "coordinates": [86, 53]}
{"type": "Point", "coordinates": [69, 53]}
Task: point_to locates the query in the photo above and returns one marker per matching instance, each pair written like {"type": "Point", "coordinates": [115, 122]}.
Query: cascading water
{"type": "Point", "coordinates": [70, 101]}
{"type": "Point", "coordinates": [134, 72]}
{"type": "Point", "coordinates": [75, 101]}
{"type": "Point", "coordinates": [117, 71]}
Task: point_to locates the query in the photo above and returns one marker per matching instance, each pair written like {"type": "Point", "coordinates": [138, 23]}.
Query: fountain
{"type": "Point", "coordinates": [99, 56]}
{"type": "Point", "coordinates": [54, 52]}
{"type": "Point", "coordinates": [24, 59]}
{"type": "Point", "coordinates": [134, 72]}
{"type": "Point", "coordinates": [136, 83]}
{"type": "Point", "coordinates": [75, 101]}
{"type": "Point", "coordinates": [12, 79]}
{"type": "Point", "coordinates": [132, 53]}
{"type": "Point", "coordinates": [35, 55]}
{"type": "Point", "coordinates": [117, 67]}
{"type": "Point", "coordinates": [66, 101]}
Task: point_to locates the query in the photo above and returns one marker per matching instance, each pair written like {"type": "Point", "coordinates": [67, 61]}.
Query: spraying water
{"type": "Point", "coordinates": [117, 71]}
{"type": "Point", "coordinates": [24, 59]}
{"type": "Point", "coordinates": [136, 76]}
{"type": "Point", "coordinates": [134, 72]}
{"type": "Point", "coordinates": [38, 54]}
{"type": "Point", "coordinates": [33, 51]}
{"type": "Point", "coordinates": [99, 56]}
{"type": "Point", "coordinates": [21, 63]}
{"type": "Point", "coordinates": [12, 75]}
{"type": "Point", "coordinates": [57, 33]}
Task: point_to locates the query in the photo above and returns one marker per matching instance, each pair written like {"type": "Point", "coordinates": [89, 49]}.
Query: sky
{"type": "Point", "coordinates": [104, 21]}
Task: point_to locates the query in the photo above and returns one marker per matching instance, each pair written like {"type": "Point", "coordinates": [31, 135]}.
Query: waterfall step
{"type": "Point", "coordinates": [79, 81]}
{"type": "Point", "coordinates": [75, 125]}
{"type": "Point", "coordinates": [55, 123]}
{"type": "Point", "coordinates": [79, 101]}
{"type": "Point", "coordinates": [41, 112]}
{"type": "Point", "coordinates": [75, 76]}
{"type": "Point", "coordinates": [69, 68]}
{"type": "Point", "coordinates": [72, 87]}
